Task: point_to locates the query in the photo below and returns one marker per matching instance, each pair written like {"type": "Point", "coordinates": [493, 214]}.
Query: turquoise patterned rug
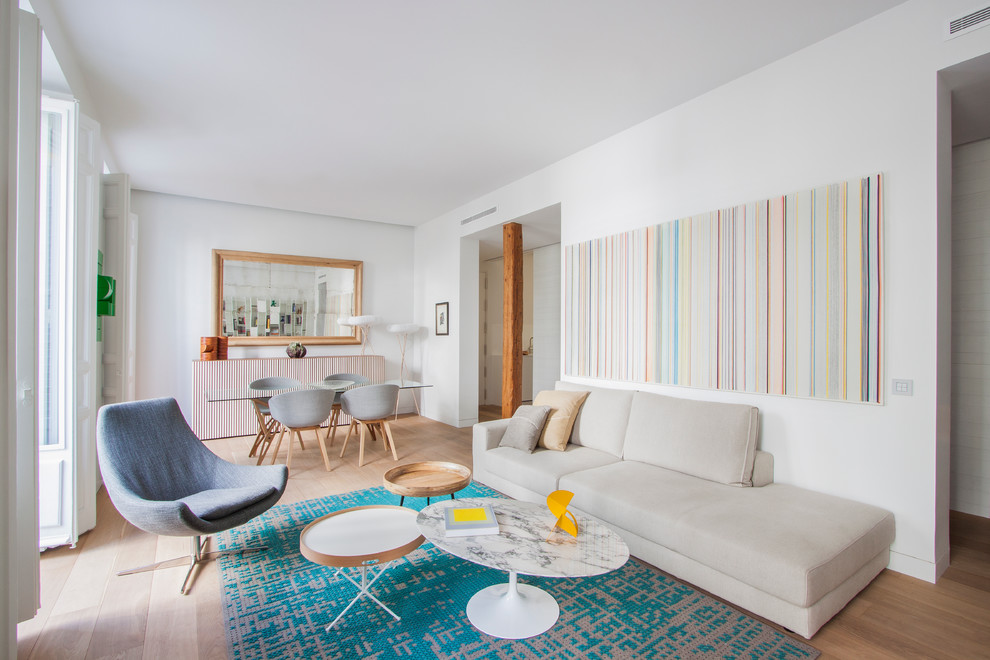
{"type": "Point", "coordinates": [277, 604]}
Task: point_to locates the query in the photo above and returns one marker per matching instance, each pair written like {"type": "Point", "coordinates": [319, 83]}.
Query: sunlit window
{"type": "Point", "coordinates": [53, 268]}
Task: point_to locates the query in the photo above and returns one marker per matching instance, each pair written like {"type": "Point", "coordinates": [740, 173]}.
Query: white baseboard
{"type": "Point", "coordinates": [916, 568]}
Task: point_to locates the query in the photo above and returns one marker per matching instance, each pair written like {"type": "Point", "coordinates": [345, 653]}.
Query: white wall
{"type": "Point", "coordinates": [970, 474]}
{"type": "Point", "coordinates": [863, 101]}
{"type": "Point", "coordinates": [546, 317]}
{"type": "Point", "coordinates": [493, 270]}
{"type": "Point", "coordinates": [175, 280]}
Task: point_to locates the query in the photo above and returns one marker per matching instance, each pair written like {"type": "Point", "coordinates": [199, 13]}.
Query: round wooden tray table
{"type": "Point", "coordinates": [361, 537]}
{"type": "Point", "coordinates": [426, 479]}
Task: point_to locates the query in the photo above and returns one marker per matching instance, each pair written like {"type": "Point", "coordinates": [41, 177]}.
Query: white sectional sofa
{"type": "Point", "coordinates": [683, 483]}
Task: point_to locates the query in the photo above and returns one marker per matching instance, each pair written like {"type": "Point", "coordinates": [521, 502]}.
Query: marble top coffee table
{"type": "Point", "coordinates": [513, 610]}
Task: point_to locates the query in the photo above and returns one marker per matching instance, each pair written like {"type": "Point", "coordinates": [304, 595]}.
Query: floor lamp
{"type": "Point", "coordinates": [364, 323]}
{"type": "Point", "coordinates": [402, 331]}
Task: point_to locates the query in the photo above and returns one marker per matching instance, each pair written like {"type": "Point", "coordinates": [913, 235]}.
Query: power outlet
{"type": "Point", "coordinates": [903, 387]}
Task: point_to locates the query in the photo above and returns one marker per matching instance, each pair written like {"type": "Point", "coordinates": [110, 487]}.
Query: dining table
{"type": "Point", "coordinates": [247, 393]}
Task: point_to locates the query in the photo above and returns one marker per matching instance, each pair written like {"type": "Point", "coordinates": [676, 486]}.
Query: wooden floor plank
{"type": "Point", "coordinates": [89, 576]}
{"type": "Point", "coordinates": [89, 612]}
{"type": "Point", "coordinates": [66, 636]}
{"type": "Point", "coordinates": [58, 563]}
{"type": "Point", "coordinates": [122, 623]}
{"type": "Point", "coordinates": [172, 630]}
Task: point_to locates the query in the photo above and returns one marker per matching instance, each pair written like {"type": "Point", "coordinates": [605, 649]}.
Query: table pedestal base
{"type": "Point", "coordinates": [513, 611]}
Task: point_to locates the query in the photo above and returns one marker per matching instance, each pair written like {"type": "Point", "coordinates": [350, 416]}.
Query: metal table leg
{"type": "Point", "coordinates": [364, 589]}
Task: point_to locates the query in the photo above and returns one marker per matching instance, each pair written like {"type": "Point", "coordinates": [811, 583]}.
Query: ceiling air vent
{"type": "Point", "coordinates": [968, 23]}
{"type": "Point", "coordinates": [478, 216]}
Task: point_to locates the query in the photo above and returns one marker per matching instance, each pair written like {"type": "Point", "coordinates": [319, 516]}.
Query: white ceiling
{"type": "Point", "coordinates": [399, 111]}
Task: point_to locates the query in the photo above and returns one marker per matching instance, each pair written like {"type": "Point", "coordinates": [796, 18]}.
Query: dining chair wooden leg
{"type": "Point", "coordinates": [346, 438]}
{"type": "Point", "coordinates": [278, 444]}
{"type": "Point", "coordinates": [265, 436]}
{"type": "Point", "coordinates": [323, 447]}
{"type": "Point", "coordinates": [361, 446]}
{"type": "Point", "coordinates": [332, 427]}
{"type": "Point", "coordinates": [288, 456]}
{"type": "Point", "coordinates": [376, 427]}
{"type": "Point", "coordinates": [391, 439]}
{"type": "Point", "coordinates": [261, 435]}
{"type": "Point", "coordinates": [265, 424]}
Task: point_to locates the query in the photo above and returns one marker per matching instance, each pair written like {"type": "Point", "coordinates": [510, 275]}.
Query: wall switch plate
{"type": "Point", "coordinates": [903, 387]}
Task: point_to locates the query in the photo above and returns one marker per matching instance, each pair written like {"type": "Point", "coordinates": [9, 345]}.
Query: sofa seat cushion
{"type": "Point", "coordinates": [790, 542]}
{"type": "Point", "coordinates": [707, 439]}
{"type": "Point", "coordinates": [541, 470]}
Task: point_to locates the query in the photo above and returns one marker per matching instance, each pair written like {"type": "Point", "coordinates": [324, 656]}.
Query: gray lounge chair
{"type": "Point", "coordinates": [163, 479]}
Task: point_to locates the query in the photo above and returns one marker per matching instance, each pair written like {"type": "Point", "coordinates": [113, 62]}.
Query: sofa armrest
{"type": "Point", "coordinates": [487, 435]}
{"type": "Point", "coordinates": [762, 469]}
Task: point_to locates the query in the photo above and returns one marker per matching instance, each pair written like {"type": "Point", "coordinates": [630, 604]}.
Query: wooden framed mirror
{"type": "Point", "coordinates": [263, 298]}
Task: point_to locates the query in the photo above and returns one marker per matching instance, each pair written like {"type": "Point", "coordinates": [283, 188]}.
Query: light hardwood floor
{"type": "Point", "coordinates": [89, 612]}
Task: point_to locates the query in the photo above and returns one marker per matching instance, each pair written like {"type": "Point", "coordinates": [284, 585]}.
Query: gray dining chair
{"type": "Point", "coordinates": [267, 426]}
{"type": "Point", "coordinates": [358, 381]}
{"type": "Point", "coordinates": [369, 408]}
{"type": "Point", "coordinates": [302, 410]}
{"type": "Point", "coordinates": [164, 480]}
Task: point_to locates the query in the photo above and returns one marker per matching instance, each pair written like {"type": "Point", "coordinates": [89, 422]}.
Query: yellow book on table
{"type": "Point", "coordinates": [469, 520]}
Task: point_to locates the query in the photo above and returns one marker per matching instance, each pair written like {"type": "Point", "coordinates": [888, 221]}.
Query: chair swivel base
{"type": "Point", "coordinates": [193, 560]}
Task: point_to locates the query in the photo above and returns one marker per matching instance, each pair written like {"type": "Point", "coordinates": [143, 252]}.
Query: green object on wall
{"type": "Point", "coordinates": [99, 271]}
{"type": "Point", "coordinates": [106, 295]}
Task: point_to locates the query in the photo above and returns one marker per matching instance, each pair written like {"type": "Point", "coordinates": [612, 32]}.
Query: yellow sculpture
{"type": "Point", "coordinates": [557, 501]}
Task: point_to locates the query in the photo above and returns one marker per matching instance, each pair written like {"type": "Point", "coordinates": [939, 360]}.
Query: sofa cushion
{"type": "Point", "coordinates": [601, 422]}
{"type": "Point", "coordinates": [565, 407]}
{"type": "Point", "coordinates": [715, 441]}
{"type": "Point", "coordinates": [790, 542]}
{"type": "Point", "coordinates": [525, 428]}
{"type": "Point", "coordinates": [541, 470]}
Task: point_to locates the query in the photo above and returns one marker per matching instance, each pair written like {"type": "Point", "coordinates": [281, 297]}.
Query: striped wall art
{"type": "Point", "coordinates": [782, 296]}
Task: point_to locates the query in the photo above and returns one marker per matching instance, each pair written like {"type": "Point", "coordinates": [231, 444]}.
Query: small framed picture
{"type": "Point", "coordinates": [443, 318]}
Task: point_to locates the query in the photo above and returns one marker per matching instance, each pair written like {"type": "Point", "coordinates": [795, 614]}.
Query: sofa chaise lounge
{"type": "Point", "coordinates": [684, 484]}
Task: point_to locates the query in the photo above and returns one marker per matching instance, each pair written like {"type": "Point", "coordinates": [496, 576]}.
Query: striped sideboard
{"type": "Point", "coordinates": [224, 419]}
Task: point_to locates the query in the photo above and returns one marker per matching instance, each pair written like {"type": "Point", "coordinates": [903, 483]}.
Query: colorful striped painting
{"type": "Point", "coordinates": [782, 296]}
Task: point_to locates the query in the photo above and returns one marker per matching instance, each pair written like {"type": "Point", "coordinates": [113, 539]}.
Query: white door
{"type": "Point", "coordinates": [24, 312]}
{"type": "Point", "coordinates": [70, 188]}
{"type": "Point", "coordinates": [88, 209]}
{"type": "Point", "coordinates": [119, 262]}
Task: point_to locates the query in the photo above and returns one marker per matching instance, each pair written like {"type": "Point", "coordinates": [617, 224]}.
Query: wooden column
{"type": "Point", "coordinates": [512, 318]}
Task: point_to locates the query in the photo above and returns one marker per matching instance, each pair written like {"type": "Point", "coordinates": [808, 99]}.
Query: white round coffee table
{"type": "Point", "coordinates": [361, 537]}
{"type": "Point", "coordinates": [513, 610]}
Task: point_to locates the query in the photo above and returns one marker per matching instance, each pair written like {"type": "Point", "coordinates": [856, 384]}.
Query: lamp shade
{"type": "Point", "coordinates": [403, 328]}
{"type": "Point", "coordinates": [364, 320]}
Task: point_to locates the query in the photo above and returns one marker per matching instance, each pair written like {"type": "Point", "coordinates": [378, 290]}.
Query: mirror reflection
{"type": "Point", "coordinates": [269, 298]}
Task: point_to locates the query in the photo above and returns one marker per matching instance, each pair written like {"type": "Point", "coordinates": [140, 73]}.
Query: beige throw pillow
{"type": "Point", "coordinates": [564, 409]}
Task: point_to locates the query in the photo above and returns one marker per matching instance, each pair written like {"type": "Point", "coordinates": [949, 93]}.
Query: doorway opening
{"type": "Point", "coordinates": [964, 205]}
{"type": "Point", "coordinates": [541, 339]}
